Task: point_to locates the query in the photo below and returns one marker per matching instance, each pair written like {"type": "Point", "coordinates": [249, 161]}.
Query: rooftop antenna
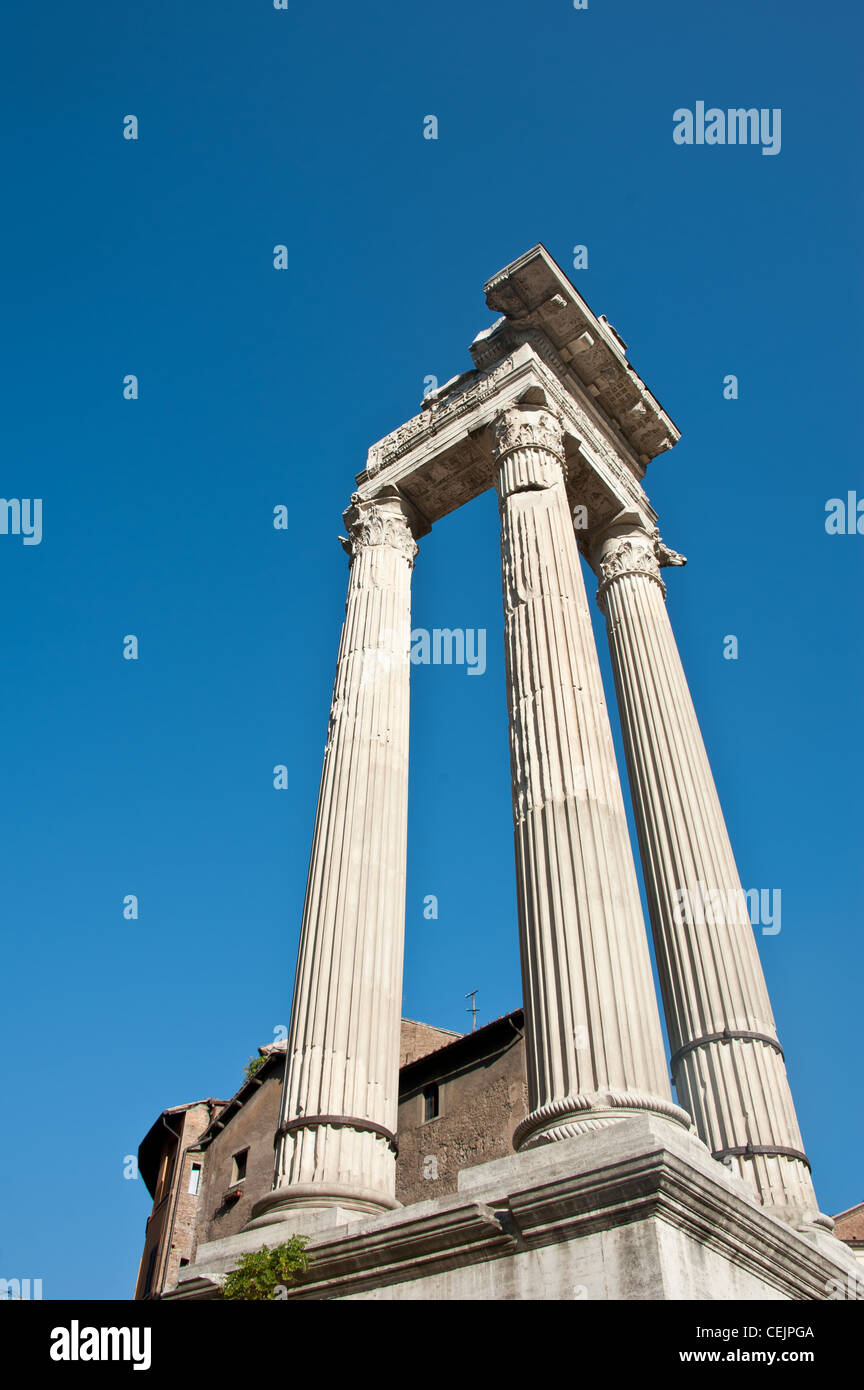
{"type": "Point", "coordinates": [472, 1010]}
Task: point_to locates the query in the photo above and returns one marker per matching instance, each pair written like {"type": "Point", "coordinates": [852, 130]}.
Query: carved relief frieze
{"type": "Point", "coordinates": [437, 492]}
{"type": "Point", "coordinates": [449, 408]}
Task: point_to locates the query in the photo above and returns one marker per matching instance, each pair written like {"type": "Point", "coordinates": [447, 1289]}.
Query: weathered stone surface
{"type": "Point", "coordinates": [443, 457]}
{"type": "Point", "coordinates": [592, 1029]}
{"type": "Point", "coordinates": [341, 1087]}
{"type": "Point", "coordinates": [535, 296]}
{"type": "Point", "coordinates": [638, 1210]}
{"type": "Point", "coordinates": [554, 416]}
{"type": "Point", "coordinates": [734, 1086]}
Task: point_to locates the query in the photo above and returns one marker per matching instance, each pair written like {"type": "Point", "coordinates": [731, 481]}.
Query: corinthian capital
{"type": "Point", "coordinates": [526, 427]}
{"type": "Point", "coordinates": [379, 521]}
{"type": "Point", "coordinates": [632, 549]}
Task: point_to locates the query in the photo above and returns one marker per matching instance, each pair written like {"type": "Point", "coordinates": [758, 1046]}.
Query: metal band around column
{"type": "Point", "coordinates": [766, 1150]}
{"type": "Point", "coordinates": [348, 1121]}
{"type": "Point", "coordinates": [728, 1035]}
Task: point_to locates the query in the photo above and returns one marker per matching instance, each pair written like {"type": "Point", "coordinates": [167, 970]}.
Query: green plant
{"type": "Point", "coordinates": [261, 1272]}
{"type": "Point", "coordinates": [252, 1066]}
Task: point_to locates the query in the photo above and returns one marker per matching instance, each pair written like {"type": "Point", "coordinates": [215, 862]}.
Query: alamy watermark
{"type": "Point", "coordinates": [77, 1343]}
{"type": "Point", "coordinates": [22, 517]}
{"type": "Point", "coordinates": [851, 1289]}
{"type": "Point", "coordinates": [729, 907]}
{"type": "Point", "coordinates": [845, 515]}
{"type": "Point", "coordinates": [438, 646]}
{"type": "Point", "coordinates": [15, 1290]}
{"type": "Point", "coordinates": [733, 127]}
{"type": "Point", "coordinates": [445, 646]}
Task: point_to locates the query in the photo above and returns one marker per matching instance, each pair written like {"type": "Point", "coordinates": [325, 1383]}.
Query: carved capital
{"type": "Point", "coordinates": [632, 554]}
{"type": "Point", "coordinates": [632, 550]}
{"type": "Point", "coordinates": [521, 427]}
{"type": "Point", "coordinates": [379, 521]}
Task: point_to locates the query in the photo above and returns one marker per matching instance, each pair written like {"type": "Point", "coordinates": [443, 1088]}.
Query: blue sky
{"type": "Point", "coordinates": [259, 388]}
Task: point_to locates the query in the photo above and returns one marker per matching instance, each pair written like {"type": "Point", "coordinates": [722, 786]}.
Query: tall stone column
{"type": "Point", "coordinates": [727, 1064]}
{"type": "Point", "coordinates": [594, 1044]}
{"type": "Point", "coordinates": [336, 1142]}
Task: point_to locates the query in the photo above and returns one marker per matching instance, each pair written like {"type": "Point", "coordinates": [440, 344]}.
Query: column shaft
{"type": "Point", "coordinates": [734, 1086]}
{"type": "Point", "coordinates": [594, 1043]}
{"type": "Point", "coordinates": [336, 1143]}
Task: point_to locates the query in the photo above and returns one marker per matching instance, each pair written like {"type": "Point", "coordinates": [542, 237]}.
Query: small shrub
{"type": "Point", "coordinates": [252, 1066]}
{"type": "Point", "coordinates": [261, 1271]}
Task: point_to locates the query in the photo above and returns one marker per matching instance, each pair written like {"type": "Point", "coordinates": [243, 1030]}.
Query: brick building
{"type": "Point", "coordinates": [170, 1160]}
{"type": "Point", "coordinates": [206, 1164]}
{"type": "Point", "coordinates": [849, 1227]}
{"type": "Point", "coordinates": [459, 1105]}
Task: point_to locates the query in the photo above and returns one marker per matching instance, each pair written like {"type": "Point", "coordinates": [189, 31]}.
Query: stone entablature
{"type": "Point", "coordinates": [444, 457]}
{"type": "Point", "coordinates": [535, 297]}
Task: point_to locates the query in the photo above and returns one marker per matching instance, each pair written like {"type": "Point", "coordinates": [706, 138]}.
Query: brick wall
{"type": "Point", "coordinates": [182, 1220]}
{"type": "Point", "coordinates": [252, 1127]}
{"type": "Point", "coordinates": [481, 1100]}
{"type": "Point", "coordinates": [418, 1039]}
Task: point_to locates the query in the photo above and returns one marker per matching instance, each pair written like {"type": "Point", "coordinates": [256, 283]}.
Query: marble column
{"type": "Point", "coordinates": [336, 1143]}
{"type": "Point", "coordinates": [594, 1044]}
{"type": "Point", "coordinates": [727, 1064]}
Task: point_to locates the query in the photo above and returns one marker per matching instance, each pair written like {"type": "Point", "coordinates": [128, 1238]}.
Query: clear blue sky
{"type": "Point", "coordinates": [260, 387]}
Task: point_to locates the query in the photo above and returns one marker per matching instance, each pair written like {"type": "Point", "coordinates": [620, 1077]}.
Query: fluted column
{"type": "Point", "coordinates": [726, 1061]}
{"type": "Point", "coordinates": [336, 1143]}
{"type": "Point", "coordinates": [592, 1027]}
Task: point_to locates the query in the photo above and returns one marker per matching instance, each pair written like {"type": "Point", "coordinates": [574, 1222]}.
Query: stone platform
{"type": "Point", "coordinates": [636, 1211]}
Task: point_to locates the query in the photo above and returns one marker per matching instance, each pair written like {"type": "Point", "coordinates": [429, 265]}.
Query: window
{"type": "Point", "coordinates": [162, 1180]}
{"type": "Point", "coordinates": [194, 1179]}
{"type": "Point", "coordinates": [151, 1267]}
{"type": "Point", "coordinates": [238, 1166]}
{"type": "Point", "coordinates": [430, 1102]}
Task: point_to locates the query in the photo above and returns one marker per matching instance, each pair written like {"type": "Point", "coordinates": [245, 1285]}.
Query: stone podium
{"type": "Point", "coordinates": [615, 1189]}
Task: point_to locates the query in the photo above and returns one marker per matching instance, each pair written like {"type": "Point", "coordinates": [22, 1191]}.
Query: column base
{"type": "Point", "coordinates": [637, 1211]}
{"type": "Point", "coordinates": [282, 1202]}
{"type": "Point", "coordinates": [574, 1115]}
